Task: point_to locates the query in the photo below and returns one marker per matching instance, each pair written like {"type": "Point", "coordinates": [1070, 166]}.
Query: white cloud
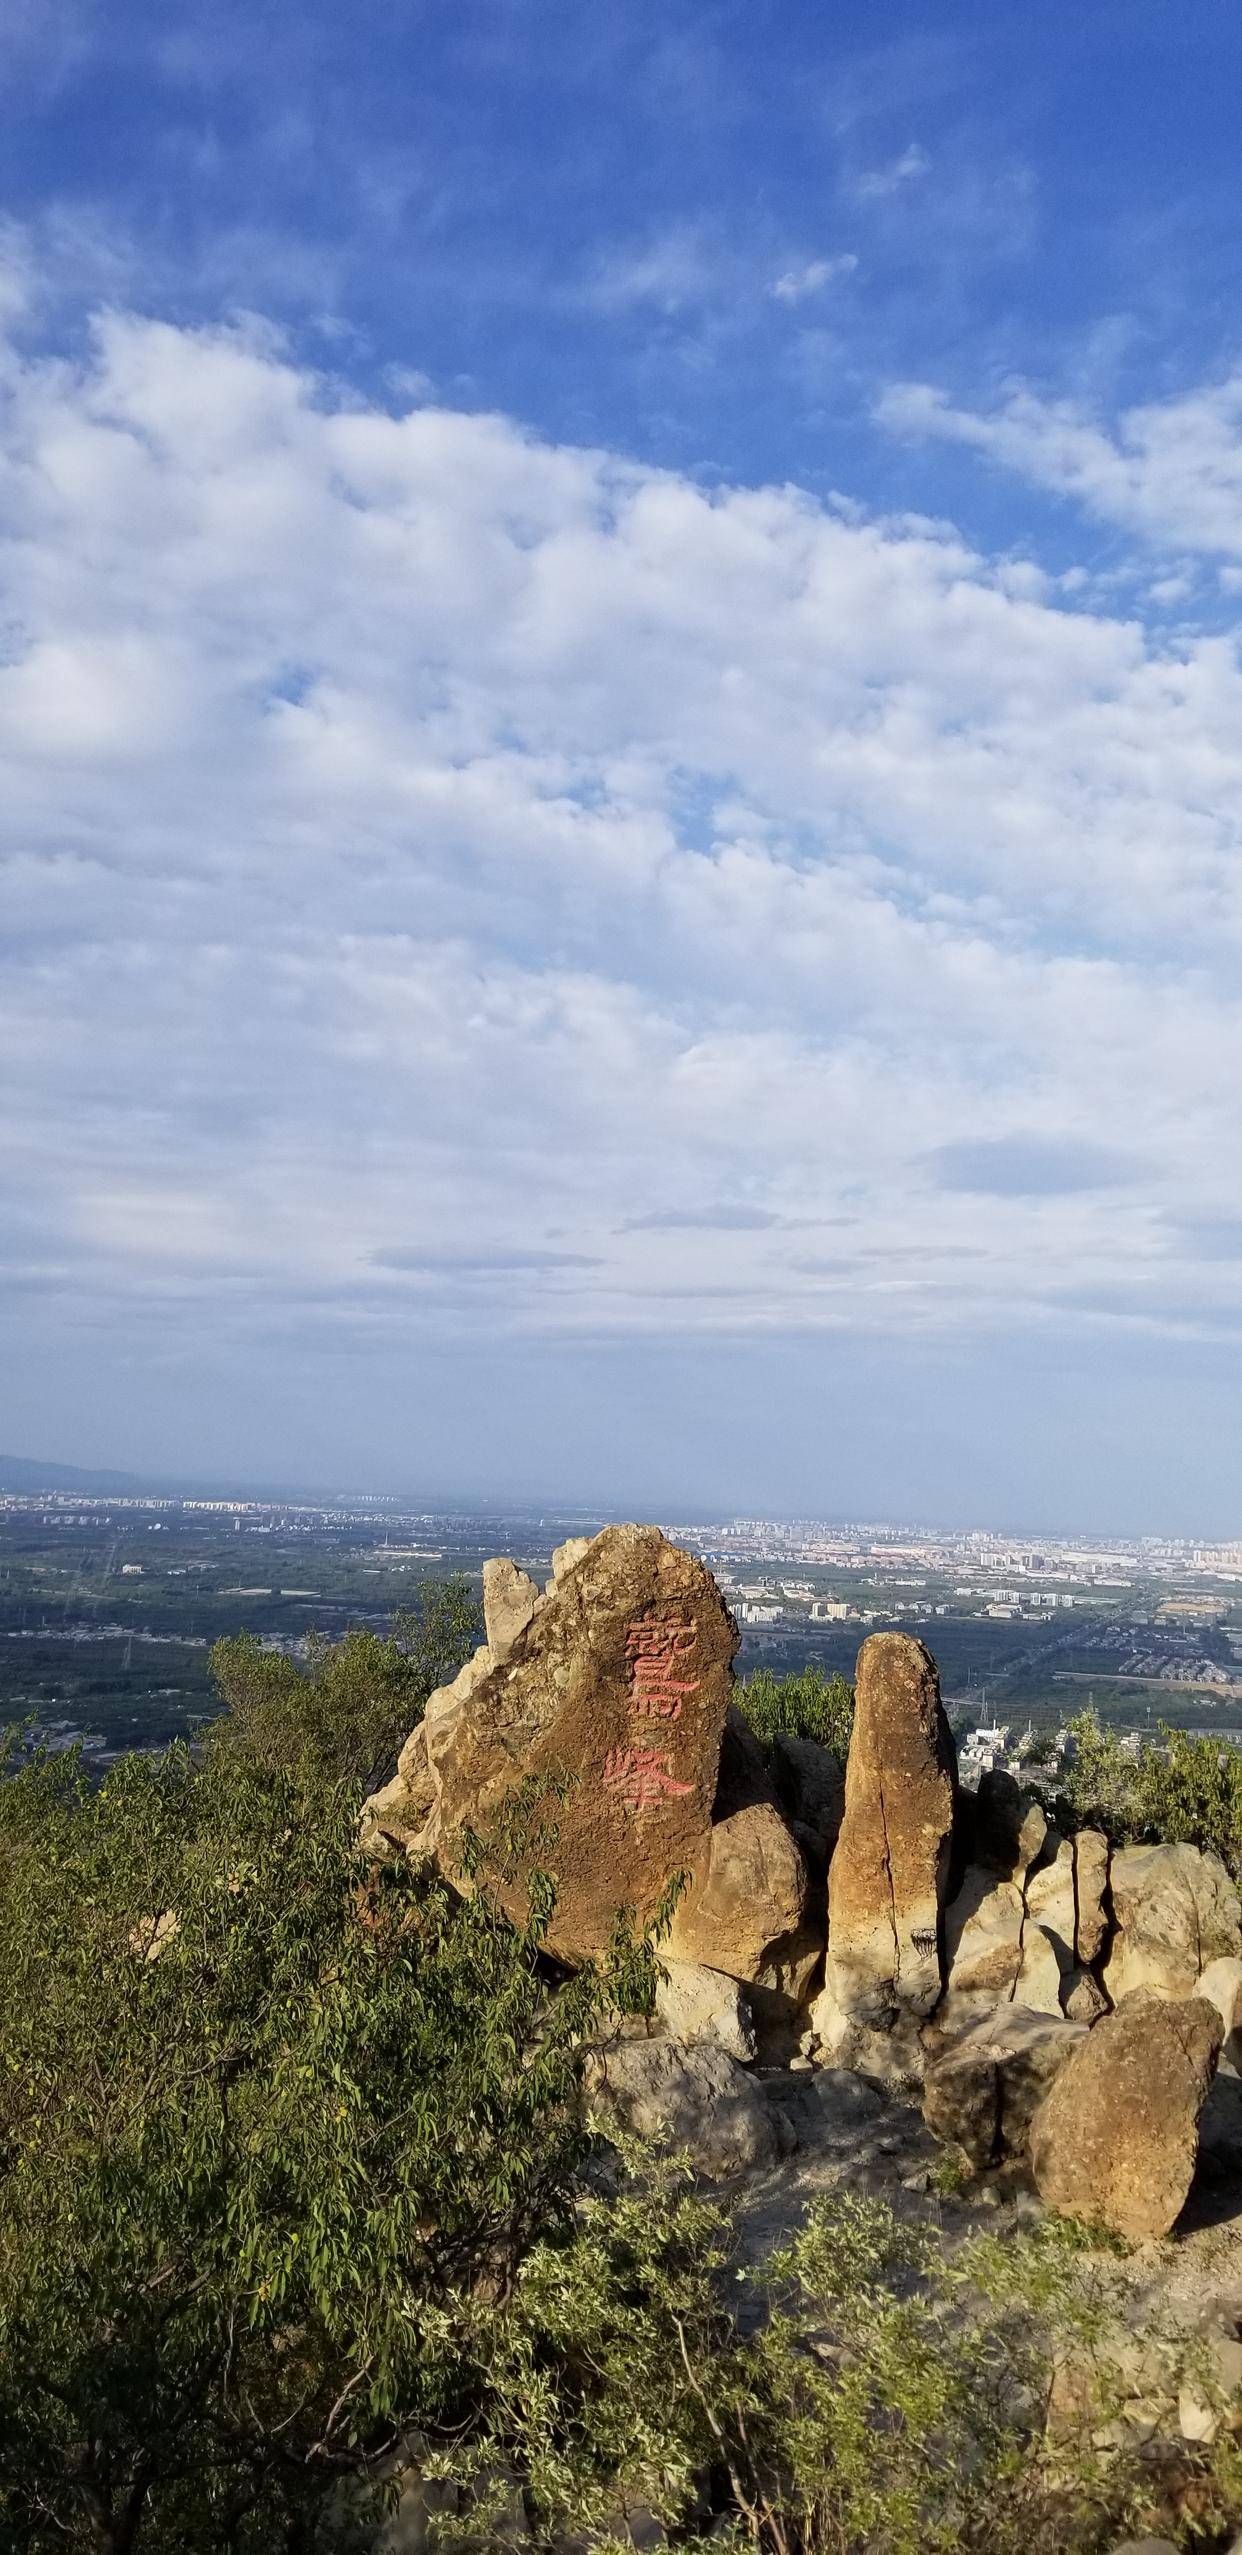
{"type": "Point", "coordinates": [875, 184]}
{"type": "Point", "coordinates": [419, 833]}
{"type": "Point", "coordinates": [1169, 470]}
{"type": "Point", "coordinates": [799, 281]}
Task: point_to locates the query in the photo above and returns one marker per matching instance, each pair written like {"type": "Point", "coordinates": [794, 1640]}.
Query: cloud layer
{"type": "Point", "coordinates": [465, 887]}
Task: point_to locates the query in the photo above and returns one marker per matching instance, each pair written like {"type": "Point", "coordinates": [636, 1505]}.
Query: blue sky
{"type": "Point", "coordinates": [621, 727]}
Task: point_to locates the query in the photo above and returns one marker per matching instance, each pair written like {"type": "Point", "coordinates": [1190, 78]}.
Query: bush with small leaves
{"type": "Point", "coordinates": [806, 1705]}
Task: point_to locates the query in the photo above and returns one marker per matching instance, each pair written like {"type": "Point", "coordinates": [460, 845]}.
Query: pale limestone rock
{"type": "Point", "coordinates": [1221, 1983]}
{"type": "Point", "coordinates": [982, 2090]}
{"type": "Point", "coordinates": [568, 1555]}
{"type": "Point", "coordinates": [696, 2097]}
{"type": "Point", "coordinates": [1090, 1894]}
{"type": "Point", "coordinates": [889, 2054]}
{"type": "Point", "coordinates": [1082, 1997]}
{"type": "Point", "coordinates": [983, 1935]}
{"type": "Point", "coordinates": [510, 1597]}
{"type": "Point", "coordinates": [1046, 1967]}
{"type": "Point", "coordinates": [401, 1816]}
{"type": "Point", "coordinates": [693, 2003]}
{"type": "Point", "coordinates": [887, 1880]}
{"type": "Point", "coordinates": [1052, 1900]}
{"type": "Point", "coordinates": [1116, 2138]}
{"type": "Point", "coordinates": [1175, 1911]}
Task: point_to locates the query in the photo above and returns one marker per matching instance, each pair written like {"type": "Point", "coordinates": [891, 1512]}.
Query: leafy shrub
{"type": "Point", "coordinates": [1179, 1791]}
{"type": "Point", "coordinates": [355, 1702]}
{"type": "Point", "coordinates": [807, 1704]}
{"type": "Point", "coordinates": [272, 2125]}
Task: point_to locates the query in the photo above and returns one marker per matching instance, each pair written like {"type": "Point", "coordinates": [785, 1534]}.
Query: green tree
{"type": "Point", "coordinates": [355, 1701]}
{"type": "Point", "coordinates": [807, 1704]}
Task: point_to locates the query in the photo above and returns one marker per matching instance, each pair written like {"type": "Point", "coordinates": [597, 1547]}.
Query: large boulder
{"type": "Point", "coordinates": [1116, 2137]}
{"type": "Point", "coordinates": [888, 1877]}
{"type": "Point", "coordinates": [583, 1737]}
{"type": "Point", "coordinates": [744, 1911]}
{"type": "Point", "coordinates": [1174, 1911]}
{"type": "Point", "coordinates": [981, 2091]}
{"type": "Point", "coordinates": [693, 2004]}
{"type": "Point", "coordinates": [694, 2097]}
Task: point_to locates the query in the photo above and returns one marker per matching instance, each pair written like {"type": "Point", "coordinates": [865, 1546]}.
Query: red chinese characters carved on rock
{"type": "Point", "coordinates": [655, 1652]}
{"type": "Point", "coordinates": [640, 1777]}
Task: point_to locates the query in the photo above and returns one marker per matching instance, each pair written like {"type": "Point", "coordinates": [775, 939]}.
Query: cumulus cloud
{"type": "Point", "coordinates": [1169, 470]}
{"type": "Point", "coordinates": [461, 883]}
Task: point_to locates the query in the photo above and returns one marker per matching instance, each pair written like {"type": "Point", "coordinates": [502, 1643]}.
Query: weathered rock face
{"type": "Point", "coordinates": [1008, 1825]}
{"type": "Point", "coordinates": [810, 1786]}
{"type": "Point", "coordinates": [983, 1935]}
{"type": "Point", "coordinates": [744, 1914]}
{"type": "Point", "coordinates": [693, 2003]}
{"type": "Point", "coordinates": [888, 1876]}
{"type": "Point", "coordinates": [400, 1814]}
{"type": "Point", "coordinates": [982, 2090]}
{"type": "Point", "coordinates": [1090, 1894]}
{"type": "Point", "coordinates": [606, 1696]}
{"type": "Point", "coordinates": [1221, 1983]}
{"type": "Point", "coordinates": [510, 1597]}
{"type": "Point", "coordinates": [1175, 1910]}
{"type": "Point", "coordinates": [695, 2097]}
{"type": "Point", "coordinates": [1115, 2140]}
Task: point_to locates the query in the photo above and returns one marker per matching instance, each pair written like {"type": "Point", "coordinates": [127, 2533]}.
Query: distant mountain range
{"type": "Point", "coordinates": [21, 1472]}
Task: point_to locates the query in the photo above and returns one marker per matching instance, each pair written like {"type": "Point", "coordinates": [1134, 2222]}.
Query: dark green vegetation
{"type": "Point", "coordinates": [807, 1704]}
{"type": "Point", "coordinates": [1177, 1790]}
{"type": "Point", "coordinates": [296, 2186]}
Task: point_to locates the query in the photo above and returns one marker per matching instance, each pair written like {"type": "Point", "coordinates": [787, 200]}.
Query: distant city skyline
{"type": "Point", "coordinates": [621, 752]}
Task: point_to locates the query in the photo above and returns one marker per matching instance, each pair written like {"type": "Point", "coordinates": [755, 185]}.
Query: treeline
{"type": "Point", "coordinates": [297, 2198]}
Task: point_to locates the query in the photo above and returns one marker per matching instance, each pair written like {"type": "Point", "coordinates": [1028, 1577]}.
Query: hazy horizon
{"type": "Point", "coordinates": [621, 728]}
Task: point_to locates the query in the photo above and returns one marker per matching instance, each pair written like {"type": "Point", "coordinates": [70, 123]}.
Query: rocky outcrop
{"type": "Point", "coordinates": [888, 1876]}
{"type": "Point", "coordinates": [597, 1707]}
{"type": "Point", "coordinates": [1115, 2139]}
{"type": "Point", "coordinates": [981, 2091]}
{"type": "Point", "coordinates": [684, 2096]}
{"type": "Point", "coordinates": [1175, 1910]}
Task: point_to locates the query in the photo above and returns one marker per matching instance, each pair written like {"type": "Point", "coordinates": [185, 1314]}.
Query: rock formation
{"type": "Point", "coordinates": [971, 1953]}
{"type": "Point", "coordinates": [598, 1706]}
{"type": "Point", "coordinates": [981, 2090]}
{"type": "Point", "coordinates": [1115, 2139]}
{"type": "Point", "coordinates": [888, 1876]}
{"type": "Point", "coordinates": [1174, 1910]}
{"type": "Point", "coordinates": [685, 2096]}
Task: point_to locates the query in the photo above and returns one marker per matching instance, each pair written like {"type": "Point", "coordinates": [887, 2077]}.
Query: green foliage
{"type": "Point", "coordinates": [354, 1703]}
{"type": "Point", "coordinates": [1179, 1791]}
{"type": "Point", "coordinates": [807, 1704]}
{"type": "Point", "coordinates": [271, 2125]}
{"type": "Point", "coordinates": [294, 2178]}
